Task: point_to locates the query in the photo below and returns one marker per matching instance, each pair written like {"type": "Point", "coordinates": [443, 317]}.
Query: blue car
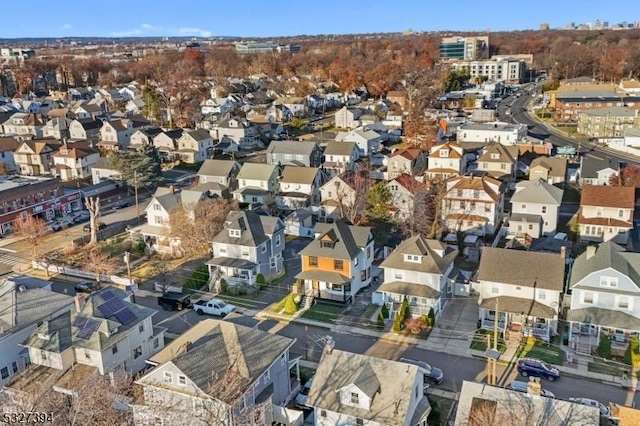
{"type": "Point", "coordinates": [537, 368]}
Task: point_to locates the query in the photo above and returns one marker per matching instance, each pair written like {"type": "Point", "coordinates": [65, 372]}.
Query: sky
{"type": "Point", "coordinates": [253, 18]}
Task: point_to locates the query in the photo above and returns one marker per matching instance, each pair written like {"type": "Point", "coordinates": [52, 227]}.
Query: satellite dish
{"type": "Point", "coordinates": [554, 304]}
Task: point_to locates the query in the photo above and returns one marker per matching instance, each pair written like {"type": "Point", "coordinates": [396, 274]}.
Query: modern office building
{"type": "Point", "coordinates": [464, 48]}
{"type": "Point", "coordinates": [505, 69]}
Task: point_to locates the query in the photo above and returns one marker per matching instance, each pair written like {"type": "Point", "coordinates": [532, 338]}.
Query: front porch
{"type": "Point", "coordinates": [421, 298]}
{"type": "Point", "coordinates": [250, 194]}
{"type": "Point", "coordinates": [293, 200]}
{"type": "Point", "coordinates": [157, 238]}
{"type": "Point", "coordinates": [233, 271]}
{"type": "Point", "coordinates": [326, 285]}
{"type": "Point", "coordinates": [528, 317]}
{"type": "Point", "coordinates": [588, 325]}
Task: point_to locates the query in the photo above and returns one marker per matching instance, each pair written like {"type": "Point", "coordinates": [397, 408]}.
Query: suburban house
{"type": "Point", "coordinates": [499, 161]}
{"type": "Point", "coordinates": [102, 171]}
{"type": "Point", "coordinates": [606, 213]}
{"type": "Point", "coordinates": [250, 244]}
{"type": "Point", "coordinates": [446, 160]}
{"type": "Point", "coordinates": [35, 157]}
{"type": "Point", "coordinates": [195, 146]}
{"type": "Point", "coordinates": [157, 231]}
{"type": "Point", "coordinates": [166, 143]}
{"type": "Point", "coordinates": [551, 169]}
{"type": "Point", "coordinates": [238, 131]}
{"type": "Point", "coordinates": [104, 332]}
{"type": "Point", "coordinates": [299, 188]}
{"type": "Point", "coordinates": [220, 373]}
{"type": "Point", "coordinates": [336, 265]}
{"type": "Point", "coordinates": [503, 133]}
{"type": "Point", "coordinates": [349, 117]}
{"type": "Point", "coordinates": [605, 298]}
{"type": "Point", "coordinates": [340, 157]}
{"type": "Point", "coordinates": [8, 145]}
{"type": "Point", "coordinates": [524, 287]}
{"type": "Point", "coordinates": [535, 208]}
{"type": "Point", "coordinates": [596, 170]}
{"type": "Point", "coordinates": [87, 129]}
{"type": "Point", "coordinates": [408, 196]}
{"type": "Point", "coordinates": [420, 270]}
{"type": "Point", "coordinates": [24, 125]}
{"type": "Point", "coordinates": [57, 127]}
{"type": "Point", "coordinates": [24, 302]}
{"type": "Point", "coordinates": [342, 192]}
{"type": "Point", "coordinates": [144, 137]}
{"type": "Point", "coordinates": [295, 153]}
{"type": "Point", "coordinates": [87, 110]}
{"type": "Point", "coordinates": [355, 389]}
{"type": "Point", "coordinates": [135, 106]}
{"type": "Point", "coordinates": [483, 404]}
{"type": "Point", "coordinates": [410, 161]}
{"type": "Point", "coordinates": [296, 105]}
{"type": "Point", "coordinates": [367, 140]}
{"type": "Point", "coordinates": [115, 135]}
{"type": "Point", "coordinates": [300, 222]}
{"type": "Point", "coordinates": [257, 183]}
{"type": "Point", "coordinates": [472, 204]}
{"type": "Point", "coordinates": [218, 177]}
{"type": "Point", "coordinates": [74, 161]}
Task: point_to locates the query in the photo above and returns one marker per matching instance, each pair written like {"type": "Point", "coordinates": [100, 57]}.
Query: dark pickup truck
{"type": "Point", "coordinates": [173, 301]}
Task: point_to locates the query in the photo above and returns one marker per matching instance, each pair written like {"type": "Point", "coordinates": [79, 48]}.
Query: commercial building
{"type": "Point", "coordinates": [498, 68]}
{"type": "Point", "coordinates": [252, 47]}
{"type": "Point", "coordinates": [463, 48]}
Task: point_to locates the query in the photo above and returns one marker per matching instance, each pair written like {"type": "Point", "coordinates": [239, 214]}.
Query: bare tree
{"type": "Point", "coordinates": [160, 272]}
{"type": "Point", "coordinates": [32, 229]}
{"type": "Point", "coordinates": [426, 211]}
{"type": "Point", "coordinates": [351, 195]}
{"type": "Point", "coordinates": [93, 205]}
{"type": "Point", "coordinates": [196, 226]}
{"type": "Point", "coordinates": [99, 263]}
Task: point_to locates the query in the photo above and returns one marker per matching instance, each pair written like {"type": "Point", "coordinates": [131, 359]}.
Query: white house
{"type": "Point", "coordinates": [218, 177]}
{"type": "Point", "coordinates": [418, 269]}
{"type": "Point", "coordinates": [605, 298]}
{"type": "Point", "coordinates": [166, 142]}
{"type": "Point", "coordinates": [238, 131]}
{"type": "Point", "coordinates": [195, 146]}
{"type": "Point", "coordinates": [524, 287]}
{"type": "Point", "coordinates": [446, 160]}
{"type": "Point", "coordinates": [367, 140]}
{"type": "Point", "coordinates": [74, 161]}
{"type": "Point", "coordinates": [116, 133]}
{"type": "Point", "coordinates": [340, 157]}
{"type": "Point", "coordinates": [504, 133]}
{"type": "Point", "coordinates": [606, 213]}
{"type": "Point", "coordinates": [349, 117]}
{"type": "Point", "coordinates": [299, 187]}
{"type": "Point", "coordinates": [7, 146]}
{"type": "Point", "coordinates": [535, 203]}
{"type": "Point", "coordinates": [356, 389]}
{"type": "Point", "coordinates": [257, 183]}
{"type": "Point", "coordinates": [596, 170]}
{"type": "Point", "coordinates": [408, 196]}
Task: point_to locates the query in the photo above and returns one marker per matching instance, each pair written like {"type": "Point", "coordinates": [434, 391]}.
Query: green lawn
{"type": "Point", "coordinates": [548, 353]}
{"type": "Point", "coordinates": [479, 341]}
{"type": "Point", "coordinates": [440, 408]}
{"type": "Point", "coordinates": [603, 367]}
{"type": "Point", "coordinates": [323, 312]}
{"type": "Point", "coordinates": [306, 374]}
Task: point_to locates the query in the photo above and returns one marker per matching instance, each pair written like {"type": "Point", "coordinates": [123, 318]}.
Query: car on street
{"type": "Point", "coordinates": [81, 216]}
{"type": "Point", "coordinates": [121, 204]}
{"type": "Point", "coordinates": [86, 287]}
{"type": "Point", "coordinates": [60, 224]}
{"type": "Point", "coordinates": [537, 368]}
{"type": "Point", "coordinates": [431, 373]}
{"type": "Point", "coordinates": [519, 386]}
{"type": "Point", "coordinates": [87, 227]}
{"type": "Point", "coordinates": [301, 398]}
{"type": "Point", "coordinates": [173, 301]}
{"type": "Point", "coordinates": [215, 307]}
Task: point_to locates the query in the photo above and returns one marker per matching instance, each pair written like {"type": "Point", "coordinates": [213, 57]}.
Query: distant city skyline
{"type": "Point", "coordinates": [190, 18]}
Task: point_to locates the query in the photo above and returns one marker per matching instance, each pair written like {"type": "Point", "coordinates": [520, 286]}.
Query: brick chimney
{"type": "Point", "coordinates": [591, 251]}
{"type": "Point", "coordinates": [534, 387]}
{"type": "Point", "coordinates": [78, 299]}
{"type": "Point", "coordinates": [563, 252]}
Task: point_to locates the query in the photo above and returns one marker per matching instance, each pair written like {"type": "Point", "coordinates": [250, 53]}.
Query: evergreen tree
{"type": "Point", "coordinates": [290, 306]}
{"type": "Point", "coordinates": [137, 168]}
{"type": "Point", "coordinates": [404, 308]}
{"type": "Point", "coordinates": [631, 355]}
{"type": "Point", "coordinates": [380, 321]}
{"type": "Point", "coordinates": [380, 202]}
{"type": "Point", "coordinates": [432, 317]}
{"type": "Point", "coordinates": [384, 311]}
{"type": "Point", "coordinates": [604, 347]}
{"type": "Point", "coordinates": [397, 322]}
{"type": "Point", "coordinates": [151, 108]}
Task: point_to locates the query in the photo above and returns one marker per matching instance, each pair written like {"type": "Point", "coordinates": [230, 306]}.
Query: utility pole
{"type": "Point", "coordinates": [135, 187]}
{"type": "Point", "coordinates": [495, 345]}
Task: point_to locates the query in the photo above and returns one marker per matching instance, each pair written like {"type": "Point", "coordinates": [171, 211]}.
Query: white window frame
{"type": "Point", "coordinates": [167, 377]}
{"type": "Point", "coordinates": [583, 298]}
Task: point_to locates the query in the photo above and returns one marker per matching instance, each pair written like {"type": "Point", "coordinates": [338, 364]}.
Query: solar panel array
{"type": "Point", "coordinates": [114, 307]}
{"type": "Point", "coordinates": [86, 326]}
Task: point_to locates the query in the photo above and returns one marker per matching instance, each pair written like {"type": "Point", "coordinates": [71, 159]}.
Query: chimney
{"type": "Point", "coordinates": [172, 189]}
{"type": "Point", "coordinates": [591, 251]}
{"type": "Point", "coordinates": [78, 299]}
{"type": "Point", "coordinates": [533, 386]}
{"type": "Point", "coordinates": [563, 252]}
{"type": "Point", "coordinates": [329, 344]}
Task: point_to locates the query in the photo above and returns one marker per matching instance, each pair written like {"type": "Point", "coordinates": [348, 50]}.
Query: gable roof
{"type": "Point", "coordinates": [295, 174]}
{"type": "Point", "coordinates": [537, 191]}
{"type": "Point", "coordinates": [522, 268]}
{"type": "Point", "coordinates": [216, 348]}
{"type": "Point", "coordinates": [409, 183]}
{"type": "Point", "coordinates": [8, 144]}
{"type": "Point", "coordinates": [453, 150]}
{"type": "Point", "coordinates": [608, 196]}
{"type": "Point", "coordinates": [90, 123]}
{"type": "Point", "coordinates": [408, 153]}
{"type": "Point", "coordinates": [342, 148]}
{"type": "Point", "coordinates": [198, 134]}
{"type": "Point", "coordinates": [556, 166]}
{"type": "Point", "coordinates": [256, 171]}
{"type": "Point", "coordinates": [436, 256]}
{"type": "Point", "coordinates": [254, 229]}
{"type": "Point", "coordinates": [217, 168]}
{"type": "Point", "coordinates": [387, 383]}
{"type": "Point", "coordinates": [505, 154]}
{"type": "Point", "coordinates": [480, 183]}
{"type": "Point", "coordinates": [590, 166]}
{"type": "Point", "coordinates": [292, 147]}
{"type": "Point", "coordinates": [348, 240]}
{"type": "Point", "coordinates": [169, 200]}
{"type": "Point", "coordinates": [607, 255]}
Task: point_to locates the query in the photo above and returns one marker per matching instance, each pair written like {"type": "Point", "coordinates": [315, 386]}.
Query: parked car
{"type": "Point", "coordinates": [215, 307]}
{"type": "Point", "coordinates": [604, 410]}
{"type": "Point", "coordinates": [87, 227]}
{"type": "Point", "coordinates": [86, 287]}
{"type": "Point", "coordinates": [519, 386]}
{"type": "Point", "coordinates": [431, 373]}
{"type": "Point", "coordinates": [121, 204]}
{"type": "Point", "coordinates": [81, 216]}
{"type": "Point", "coordinates": [174, 301]}
{"type": "Point", "coordinates": [301, 398]}
{"type": "Point", "coordinates": [61, 224]}
{"type": "Point", "coordinates": [537, 368]}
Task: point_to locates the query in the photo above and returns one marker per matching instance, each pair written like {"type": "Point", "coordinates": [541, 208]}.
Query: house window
{"type": "Point", "coordinates": [114, 349]}
{"type": "Point", "coordinates": [531, 226]}
{"type": "Point", "coordinates": [277, 240]}
{"type": "Point", "coordinates": [587, 298]}
{"type": "Point", "coordinates": [266, 377]}
{"type": "Point", "coordinates": [363, 275]}
{"type": "Point", "coordinates": [476, 193]}
{"type": "Point", "coordinates": [336, 287]}
{"type": "Point", "coordinates": [518, 288]}
{"type": "Point", "coordinates": [609, 282]}
{"type": "Point", "coordinates": [182, 380]}
{"type": "Point", "coordinates": [495, 290]}
{"type": "Point", "coordinates": [398, 275]}
{"type": "Point", "coordinates": [323, 413]}
{"type": "Point", "coordinates": [313, 261]}
{"type": "Point", "coordinates": [623, 302]}
{"type": "Point", "coordinates": [459, 192]}
{"type": "Point", "coordinates": [355, 261]}
{"type": "Point", "coordinates": [283, 360]}
{"type": "Point", "coordinates": [156, 207]}
{"type": "Point", "coordinates": [14, 367]}
{"type": "Point", "coordinates": [43, 355]}
{"type": "Point", "coordinates": [87, 355]}
{"type": "Point", "coordinates": [168, 377]}
{"type": "Point", "coordinates": [137, 352]}
{"type": "Point", "coordinates": [620, 213]}
{"type": "Point", "coordinates": [355, 398]}
{"type": "Point", "coordinates": [156, 343]}
{"type": "Point", "coordinates": [337, 264]}
{"type": "Point", "coordinates": [141, 327]}
{"type": "Point", "coordinates": [4, 372]}
{"type": "Point", "coordinates": [264, 248]}
{"type": "Point", "coordinates": [544, 209]}
{"type": "Point", "coordinates": [359, 422]}
{"type": "Point", "coordinates": [223, 250]}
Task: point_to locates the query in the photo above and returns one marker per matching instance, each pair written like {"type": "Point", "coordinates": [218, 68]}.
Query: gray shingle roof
{"type": "Point", "coordinates": [432, 262]}
{"type": "Point", "coordinates": [537, 191]}
{"type": "Point", "coordinates": [219, 348]}
{"type": "Point", "coordinates": [302, 175]}
{"type": "Point", "coordinates": [217, 168]}
{"type": "Point", "coordinates": [256, 171]}
{"type": "Point", "coordinates": [199, 134]}
{"type": "Point", "coordinates": [255, 229]}
{"type": "Point", "coordinates": [348, 239]}
{"type": "Point", "coordinates": [340, 148]}
{"type": "Point", "coordinates": [590, 166]}
{"type": "Point", "coordinates": [557, 166]}
{"type": "Point", "coordinates": [522, 268]}
{"type": "Point", "coordinates": [410, 289]}
{"type": "Point", "coordinates": [604, 317]}
{"type": "Point", "coordinates": [607, 255]}
{"type": "Point", "coordinates": [292, 147]}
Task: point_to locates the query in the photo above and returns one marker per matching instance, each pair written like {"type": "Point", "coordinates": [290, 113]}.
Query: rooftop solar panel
{"type": "Point", "coordinates": [80, 321]}
{"type": "Point", "coordinates": [108, 294]}
{"type": "Point", "coordinates": [125, 316]}
{"type": "Point", "coordinates": [84, 333]}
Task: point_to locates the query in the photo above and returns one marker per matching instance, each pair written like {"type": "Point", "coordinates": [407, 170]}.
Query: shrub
{"type": "Point", "coordinates": [404, 308]}
{"type": "Point", "coordinates": [604, 347]}
{"type": "Point", "coordinates": [432, 317]}
{"type": "Point", "coordinates": [290, 306]}
{"type": "Point", "coordinates": [425, 319]}
{"type": "Point", "coordinates": [380, 321]}
{"type": "Point", "coordinates": [631, 355]}
{"type": "Point", "coordinates": [138, 246]}
{"type": "Point", "coordinates": [397, 321]}
{"type": "Point", "coordinates": [260, 281]}
{"type": "Point", "coordinates": [197, 280]}
{"type": "Point", "coordinates": [384, 311]}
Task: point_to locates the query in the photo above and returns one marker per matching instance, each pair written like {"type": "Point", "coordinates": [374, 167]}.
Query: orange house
{"type": "Point", "coordinates": [337, 264]}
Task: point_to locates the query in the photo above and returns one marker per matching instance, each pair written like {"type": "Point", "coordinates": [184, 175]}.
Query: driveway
{"type": "Point", "coordinates": [455, 327]}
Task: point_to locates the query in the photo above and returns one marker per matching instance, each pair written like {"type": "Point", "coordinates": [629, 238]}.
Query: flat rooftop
{"type": "Point", "coordinates": [10, 182]}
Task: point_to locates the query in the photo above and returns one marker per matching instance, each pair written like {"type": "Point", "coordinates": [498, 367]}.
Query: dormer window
{"type": "Point", "coordinates": [444, 153]}
{"type": "Point", "coordinates": [234, 233]}
{"type": "Point", "coordinates": [355, 398]}
{"type": "Point", "coordinates": [611, 282]}
{"type": "Point", "coordinates": [495, 156]}
{"type": "Point", "coordinates": [327, 244]}
{"type": "Point", "coordinates": [412, 258]}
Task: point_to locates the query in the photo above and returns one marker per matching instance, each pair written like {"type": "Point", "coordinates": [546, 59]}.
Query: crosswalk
{"type": "Point", "coordinates": [8, 259]}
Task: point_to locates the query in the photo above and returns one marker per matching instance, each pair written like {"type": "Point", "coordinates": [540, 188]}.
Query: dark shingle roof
{"type": "Point", "coordinates": [348, 239]}
{"type": "Point", "coordinates": [217, 167]}
{"type": "Point", "coordinates": [432, 261]}
{"type": "Point", "coordinates": [607, 255]}
{"type": "Point", "coordinates": [590, 166]}
{"type": "Point", "coordinates": [254, 228]}
{"type": "Point", "coordinates": [292, 147]}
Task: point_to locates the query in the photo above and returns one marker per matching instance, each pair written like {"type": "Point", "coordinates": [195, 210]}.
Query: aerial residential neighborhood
{"type": "Point", "coordinates": [381, 226]}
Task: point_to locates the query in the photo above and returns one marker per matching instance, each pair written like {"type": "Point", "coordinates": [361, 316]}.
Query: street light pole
{"type": "Point", "coordinates": [135, 187]}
